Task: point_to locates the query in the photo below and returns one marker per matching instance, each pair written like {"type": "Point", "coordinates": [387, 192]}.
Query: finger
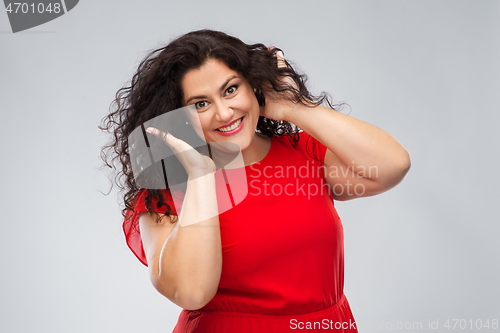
{"type": "Point", "coordinates": [193, 162]}
{"type": "Point", "coordinates": [156, 132]}
{"type": "Point", "coordinates": [281, 59]}
{"type": "Point", "coordinates": [177, 145]}
{"type": "Point", "coordinates": [279, 56]}
{"type": "Point", "coordinates": [168, 138]}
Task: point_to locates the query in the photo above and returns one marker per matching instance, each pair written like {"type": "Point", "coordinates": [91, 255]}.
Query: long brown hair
{"type": "Point", "coordinates": [156, 89]}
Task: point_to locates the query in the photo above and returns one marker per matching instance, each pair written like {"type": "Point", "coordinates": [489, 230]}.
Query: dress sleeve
{"type": "Point", "coordinates": [313, 147]}
{"type": "Point", "coordinates": [131, 221]}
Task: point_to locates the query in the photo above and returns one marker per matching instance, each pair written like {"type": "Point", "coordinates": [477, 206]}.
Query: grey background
{"type": "Point", "coordinates": [428, 72]}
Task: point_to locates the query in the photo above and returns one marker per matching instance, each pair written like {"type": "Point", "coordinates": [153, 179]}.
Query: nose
{"type": "Point", "coordinates": [224, 112]}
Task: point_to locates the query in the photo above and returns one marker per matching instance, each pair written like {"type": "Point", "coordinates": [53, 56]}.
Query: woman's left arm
{"type": "Point", "coordinates": [362, 160]}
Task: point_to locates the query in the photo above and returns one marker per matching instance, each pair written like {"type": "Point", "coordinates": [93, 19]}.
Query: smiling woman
{"type": "Point", "coordinates": [228, 109]}
{"type": "Point", "coordinates": [274, 261]}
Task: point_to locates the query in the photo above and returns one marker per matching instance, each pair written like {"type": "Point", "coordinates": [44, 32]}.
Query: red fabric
{"type": "Point", "coordinates": [131, 222]}
{"type": "Point", "coordinates": [282, 249]}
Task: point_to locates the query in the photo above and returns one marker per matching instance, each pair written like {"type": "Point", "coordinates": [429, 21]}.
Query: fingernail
{"type": "Point", "coordinates": [149, 131]}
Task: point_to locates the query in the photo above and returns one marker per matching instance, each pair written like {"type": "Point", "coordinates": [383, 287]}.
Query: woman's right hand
{"type": "Point", "coordinates": [195, 164]}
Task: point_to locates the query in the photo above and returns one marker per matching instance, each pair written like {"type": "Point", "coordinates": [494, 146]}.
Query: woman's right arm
{"type": "Point", "coordinates": [185, 258]}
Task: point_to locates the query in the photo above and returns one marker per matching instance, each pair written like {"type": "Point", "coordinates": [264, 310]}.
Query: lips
{"type": "Point", "coordinates": [231, 123]}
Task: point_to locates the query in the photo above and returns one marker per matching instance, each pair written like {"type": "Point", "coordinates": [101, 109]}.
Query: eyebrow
{"type": "Point", "coordinates": [221, 89]}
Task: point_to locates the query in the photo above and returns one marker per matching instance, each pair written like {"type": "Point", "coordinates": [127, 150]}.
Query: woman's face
{"type": "Point", "coordinates": [225, 103]}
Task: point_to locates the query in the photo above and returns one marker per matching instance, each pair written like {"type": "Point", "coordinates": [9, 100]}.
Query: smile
{"type": "Point", "coordinates": [234, 128]}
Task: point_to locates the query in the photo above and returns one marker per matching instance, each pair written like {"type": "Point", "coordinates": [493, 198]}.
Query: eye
{"type": "Point", "coordinates": [231, 90]}
{"type": "Point", "coordinates": [200, 104]}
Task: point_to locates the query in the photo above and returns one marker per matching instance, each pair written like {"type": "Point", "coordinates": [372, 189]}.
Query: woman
{"type": "Point", "coordinates": [274, 262]}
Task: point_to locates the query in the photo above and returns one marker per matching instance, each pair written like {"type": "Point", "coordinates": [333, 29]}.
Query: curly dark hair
{"type": "Point", "coordinates": [156, 89]}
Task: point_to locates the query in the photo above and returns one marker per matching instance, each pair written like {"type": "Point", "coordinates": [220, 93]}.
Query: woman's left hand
{"type": "Point", "coordinates": [278, 105]}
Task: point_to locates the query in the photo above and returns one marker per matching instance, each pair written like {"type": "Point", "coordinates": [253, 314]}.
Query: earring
{"type": "Point", "coordinates": [187, 123]}
{"type": "Point", "coordinates": [254, 90]}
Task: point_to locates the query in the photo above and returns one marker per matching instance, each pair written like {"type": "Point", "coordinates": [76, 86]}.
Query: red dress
{"type": "Point", "coordinates": [282, 251]}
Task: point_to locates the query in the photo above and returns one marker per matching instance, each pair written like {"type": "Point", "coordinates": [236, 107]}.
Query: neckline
{"type": "Point", "coordinates": [267, 155]}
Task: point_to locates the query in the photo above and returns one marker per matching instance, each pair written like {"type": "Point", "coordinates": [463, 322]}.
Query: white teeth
{"type": "Point", "coordinates": [232, 127]}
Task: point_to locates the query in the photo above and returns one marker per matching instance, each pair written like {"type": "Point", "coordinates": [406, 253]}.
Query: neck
{"type": "Point", "coordinates": [257, 150]}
